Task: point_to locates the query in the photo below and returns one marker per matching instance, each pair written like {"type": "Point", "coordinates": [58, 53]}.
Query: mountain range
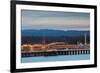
{"type": "Point", "coordinates": [51, 32]}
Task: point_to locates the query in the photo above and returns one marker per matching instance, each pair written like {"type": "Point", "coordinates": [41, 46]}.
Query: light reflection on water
{"type": "Point", "coordinates": [55, 58]}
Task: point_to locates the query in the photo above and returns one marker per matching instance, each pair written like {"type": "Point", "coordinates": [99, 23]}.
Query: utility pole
{"type": "Point", "coordinates": [85, 39]}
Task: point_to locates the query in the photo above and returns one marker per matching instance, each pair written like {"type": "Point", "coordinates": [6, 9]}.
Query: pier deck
{"type": "Point", "coordinates": [55, 53]}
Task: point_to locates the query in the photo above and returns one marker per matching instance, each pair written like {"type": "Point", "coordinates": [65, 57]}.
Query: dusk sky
{"type": "Point", "coordinates": [35, 19]}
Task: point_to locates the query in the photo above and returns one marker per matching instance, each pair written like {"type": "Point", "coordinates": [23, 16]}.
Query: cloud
{"type": "Point", "coordinates": [42, 21]}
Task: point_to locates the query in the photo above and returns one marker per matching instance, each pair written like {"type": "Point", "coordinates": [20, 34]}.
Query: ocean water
{"type": "Point", "coordinates": [55, 58]}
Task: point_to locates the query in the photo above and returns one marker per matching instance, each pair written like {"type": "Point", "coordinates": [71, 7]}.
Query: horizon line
{"type": "Point", "coordinates": [59, 29]}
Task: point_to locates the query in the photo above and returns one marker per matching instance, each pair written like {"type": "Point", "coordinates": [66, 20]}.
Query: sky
{"type": "Point", "coordinates": [36, 19]}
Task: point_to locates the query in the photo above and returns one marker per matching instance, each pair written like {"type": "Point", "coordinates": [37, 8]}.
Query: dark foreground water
{"type": "Point", "coordinates": [55, 58]}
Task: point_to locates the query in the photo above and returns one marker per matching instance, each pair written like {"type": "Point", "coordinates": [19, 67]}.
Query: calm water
{"type": "Point", "coordinates": [55, 58]}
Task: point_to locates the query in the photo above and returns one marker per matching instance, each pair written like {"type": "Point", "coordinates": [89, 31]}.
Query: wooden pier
{"type": "Point", "coordinates": [55, 53]}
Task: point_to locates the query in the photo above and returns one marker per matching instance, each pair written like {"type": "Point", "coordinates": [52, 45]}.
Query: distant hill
{"type": "Point", "coordinates": [50, 32]}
